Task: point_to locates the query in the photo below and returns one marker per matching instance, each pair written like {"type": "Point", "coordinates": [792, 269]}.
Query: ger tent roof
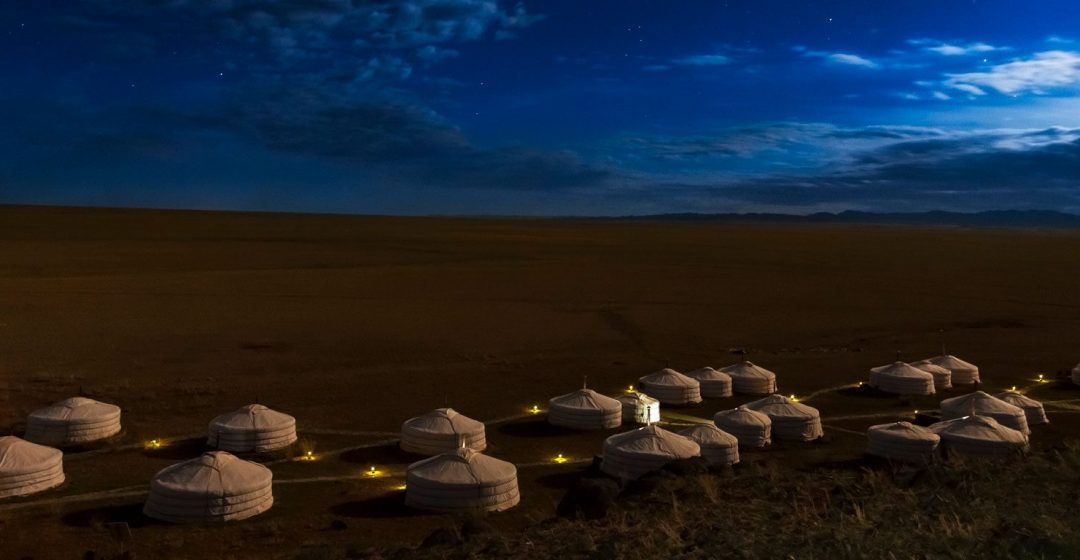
{"type": "Point", "coordinates": [963, 373]}
{"type": "Point", "coordinates": [790, 419]}
{"type": "Point", "coordinates": [986, 405]}
{"type": "Point", "coordinates": [440, 431]}
{"type": "Point", "coordinates": [902, 441]}
{"type": "Point", "coordinates": [585, 409]}
{"type": "Point", "coordinates": [750, 379]}
{"type": "Point", "coordinates": [630, 455]}
{"type": "Point", "coordinates": [462, 480]}
{"type": "Point", "coordinates": [979, 436]}
{"type": "Point", "coordinates": [750, 427]}
{"type": "Point", "coordinates": [671, 387]}
{"type": "Point", "coordinates": [27, 468]}
{"type": "Point", "coordinates": [714, 384]}
{"type": "Point", "coordinates": [75, 420]}
{"type": "Point", "coordinates": [1033, 409]}
{"type": "Point", "coordinates": [216, 486]}
{"type": "Point", "coordinates": [942, 376]}
{"type": "Point", "coordinates": [252, 428]}
{"type": "Point", "coordinates": [717, 446]}
{"type": "Point", "coordinates": [902, 379]}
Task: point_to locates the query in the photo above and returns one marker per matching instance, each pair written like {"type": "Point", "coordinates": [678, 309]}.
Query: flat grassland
{"type": "Point", "coordinates": [354, 324]}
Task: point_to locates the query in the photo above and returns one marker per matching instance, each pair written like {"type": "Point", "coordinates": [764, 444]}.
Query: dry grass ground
{"type": "Point", "coordinates": [357, 323]}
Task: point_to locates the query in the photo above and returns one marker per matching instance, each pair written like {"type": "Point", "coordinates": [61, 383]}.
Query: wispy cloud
{"type": "Point", "coordinates": [846, 59]}
{"type": "Point", "coordinates": [703, 60]}
{"type": "Point", "coordinates": [950, 49]}
{"type": "Point", "coordinates": [1037, 74]}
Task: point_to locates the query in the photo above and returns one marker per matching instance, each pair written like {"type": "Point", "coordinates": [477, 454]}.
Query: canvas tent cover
{"type": "Point", "coordinates": [631, 454]}
{"type": "Point", "coordinates": [74, 420]}
{"type": "Point", "coordinates": [718, 447]}
{"type": "Point", "coordinates": [1033, 409]}
{"type": "Point", "coordinates": [751, 379]}
{"type": "Point", "coordinates": [963, 373]}
{"type": "Point", "coordinates": [750, 427]}
{"type": "Point", "coordinates": [671, 387]}
{"type": "Point", "coordinates": [790, 419]}
{"type": "Point", "coordinates": [901, 378]}
{"type": "Point", "coordinates": [216, 486]}
{"type": "Point", "coordinates": [440, 431]}
{"type": "Point", "coordinates": [714, 384]}
{"type": "Point", "coordinates": [27, 468]}
{"type": "Point", "coordinates": [462, 480]}
{"type": "Point", "coordinates": [983, 404]}
{"type": "Point", "coordinates": [979, 436]}
{"type": "Point", "coordinates": [902, 441]}
{"type": "Point", "coordinates": [252, 428]}
{"type": "Point", "coordinates": [585, 409]}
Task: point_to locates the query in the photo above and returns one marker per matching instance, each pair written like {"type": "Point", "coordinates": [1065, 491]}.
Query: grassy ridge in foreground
{"type": "Point", "coordinates": [1021, 509]}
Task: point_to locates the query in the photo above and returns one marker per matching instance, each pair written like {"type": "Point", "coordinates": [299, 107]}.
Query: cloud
{"type": "Point", "coordinates": [949, 49]}
{"type": "Point", "coordinates": [703, 60]}
{"type": "Point", "coordinates": [1037, 74]}
{"type": "Point", "coordinates": [845, 59]}
{"type": "Point", "coordinates": [432, 54]}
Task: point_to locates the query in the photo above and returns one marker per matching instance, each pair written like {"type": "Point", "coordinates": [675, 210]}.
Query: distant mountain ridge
{"type": "Point", "coordinates": [990, 218]}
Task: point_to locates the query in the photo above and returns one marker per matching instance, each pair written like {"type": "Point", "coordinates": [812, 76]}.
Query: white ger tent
{"type": "Point", "coordinates": [27, 468]}
{"type": "Point", "coordinates": [714, 384]}
{"type": "Point", "coordinates": [671, 387]}
{"type": "Point", "coordinates": [902, 441]}
{"type": "Point", "coordinates": [214, 487]}
{"type": "Point", "coordinates": [252, 429]}
{"type": "Point", "coordinates": [750, 379]}
{"type": "Point", "coordinates": [942, 376]}
{"type": "Point", "coordinates": [790, 420]}
{"type": "Point", "coordinates": [718, 447]}
{"type": "Point", "coordinates": [980, 403]}
{"type": "Point", "coordinates": [902, 379]}
{"type": "Point", "coordinates": [440, 431]}
{"type": "Point", "coordinates": [750, 427]}
{"type": "Point", "coordinates": [963, 373]}
{"type": "Point", "coordinates": [639, 408]}
{"type": "Point", "coordinates": [979, 436]}
{"type": "Point", "coordinates": [585, 409]}
{"type": "Point", "coordinates": [462, 480]}
{"type": "Point", "coordinates": [1033, 409]}
{"type": "Point", "coordinates": [73, 421]}
{"type": "Point", "coordinates": [630, 455]}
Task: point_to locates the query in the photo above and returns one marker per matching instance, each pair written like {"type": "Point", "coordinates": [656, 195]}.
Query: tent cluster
{"type": "Point", "coordinates": [923, 377]}
{"type": "Point", "coordinates": [674, 388]}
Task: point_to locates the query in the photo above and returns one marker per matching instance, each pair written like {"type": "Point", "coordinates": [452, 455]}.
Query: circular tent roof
{"type": "Point", "coordinates": [216, 486]}
{"type": "Point", "coordinates": [902, 441]}
{"type": "Point", "coordinates": [630, 455]}
{"type": "Point", "coordinates": [585, 409]}
{"type": "Point", "coordinates": [714, 384]}
{"type": "Point", "coordinates": [750, 427]}
{"type": "Point", "coordinates": [979, 436]}
{"type": "Point", "coordinates": [942, 376]}
{"type": "Point", "coordinates": [671, 387]}
{"type": "Point", "coordinates": [903, 379]}
{"type": "Point", "coordinates": [717, 446]}
{"type": "Point", "coordinates": [962, 372]}
{"type": "Point", "coordinates": [440, 431]}
{"type": "Point", "coordinates": [73, 421]}
{"type": "Point", "coordinates": [983, 404]}
{"type": "Point", "coordinates": [252, 428]}
{"type": "Point", "coordinates": [27, 468]}
{"type": "Point", "coordinates": [751, 379]}
{"type": "Point", "coordinates": [1033, 409]}
{"type": "Point", "coordinates": [462, 480]}
{"type": "Point", "coordinates": [790, 419]}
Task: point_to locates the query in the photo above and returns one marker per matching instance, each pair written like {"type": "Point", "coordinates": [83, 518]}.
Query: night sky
{"type": "Point", "coordinates": [542, 108]}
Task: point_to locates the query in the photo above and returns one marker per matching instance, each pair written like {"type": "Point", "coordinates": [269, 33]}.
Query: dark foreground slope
{"type": "Point", "coordinates": [354, 324]}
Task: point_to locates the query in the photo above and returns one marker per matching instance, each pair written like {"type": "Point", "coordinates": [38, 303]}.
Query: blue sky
{"type": "Point", "coordinates": [542, 108]}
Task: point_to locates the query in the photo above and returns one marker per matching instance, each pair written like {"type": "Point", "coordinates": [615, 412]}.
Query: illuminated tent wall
{"type": "Point", "coordinates": [462, 480]}
{"type": "Point", "coordinates": [979, 436]}
{"type": "Point", "coordinates": [214, 487]}
{"type": "Point", "coordinates": [671, 387]}
{"type": "Point", "coordinates": [963, 373]}
{"type": "Point", "coordinates": [585, 409]}
{"type": "Point", "coordinates": [252, 429]}
{"type": "Point", "coordinates": [1033, 409]}
{"type": "Point", "coordinates": [902, 379]}
{"type": "Point", "coordinates": [750, 427]}
{"type": "Point", "coordinates": [790, 420]}
{"type": "Point", "coordinates": [902, 441]}
{"type": "Point", "coordinates": [714, 384]}
{"type": "Point", "coordinates": [718, 448]}
{"type": "Point", "coordinates": [28, 468]}
{"type": "Point", "coordinates": [983, 404]}
{"type": "Point", "coordinates": [440, 431]}
{"type": "Point", "coordinates": [942, 376]}
{"type": "Point", "coordinates": [631, 454]}
{"type": "Point", "coordinates": [73, 421]}
{"type": "Point", "coordinates": [639, 408]}
{"type": "Point", "coordinates": [750, 379]}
